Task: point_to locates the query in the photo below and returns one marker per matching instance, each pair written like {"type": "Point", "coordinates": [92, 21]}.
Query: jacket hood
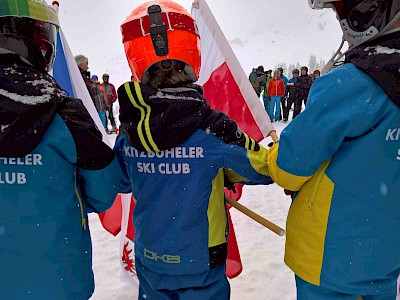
{"type": "Point", "coordinates": [380, 59]}
{"type": "Point", "coordinates": [160, 119]}
{"type": "Point", "coordinates": [28, 102]}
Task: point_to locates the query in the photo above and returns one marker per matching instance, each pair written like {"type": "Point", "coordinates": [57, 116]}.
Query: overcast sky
{"type": "Point", "coordinates": [261, 32]}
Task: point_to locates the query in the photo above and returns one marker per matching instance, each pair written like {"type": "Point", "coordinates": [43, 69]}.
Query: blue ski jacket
{"type": "Point", "coordinates": [342, 155]}
{"type": "Point", "coordinates": [54, 169]}
{"type": "Point", "coordinates": [176, 153]}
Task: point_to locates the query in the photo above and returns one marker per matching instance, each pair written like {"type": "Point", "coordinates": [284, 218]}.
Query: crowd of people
{"type": "Point", "coordinates": [103, 94]}
{"type": "Point", "coordinates": [175, 154]}
{"type": "Point", "coordinates": [279, 93]}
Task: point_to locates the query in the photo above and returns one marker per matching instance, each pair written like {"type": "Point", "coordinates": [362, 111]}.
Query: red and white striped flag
{"type": "Point", "coordinates": [227, 89]}
{"type": "Point", "coordinates": [225, 84]}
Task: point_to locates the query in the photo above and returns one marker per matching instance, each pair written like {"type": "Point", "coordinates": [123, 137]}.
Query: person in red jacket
{"type": "Point", "coordinates": [276, 90]}
{"type": "Point", "coordinates": [109, 89]}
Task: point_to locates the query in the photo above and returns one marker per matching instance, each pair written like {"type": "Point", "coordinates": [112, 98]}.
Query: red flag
{"type": "Point", "coordinates": [111, 219]}
{"type": "Point", "coordinates": [227, 89]}
{"type": "Point", "coordinates": [233, 262]}
{"type": "Point", "coordinates": [226, 86]}
{"type": "Point", "coordinates": [236, 194]}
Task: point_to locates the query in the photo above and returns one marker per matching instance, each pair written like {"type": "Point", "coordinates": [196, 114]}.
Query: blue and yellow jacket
{"type": "Point", "coordinates": [176, 152]}
{"type": "Point", "coordinates": [342, 155]}
{"type": "Point", "coordinates": [54, 169]}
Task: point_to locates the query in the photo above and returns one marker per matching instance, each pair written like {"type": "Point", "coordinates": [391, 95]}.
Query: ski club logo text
{"type": "Point", "coordinates": [18, 177]}
{"type": "Point", "coordinates": [165, 168]}
{"type": "Point", "coordinates": [394, 135]}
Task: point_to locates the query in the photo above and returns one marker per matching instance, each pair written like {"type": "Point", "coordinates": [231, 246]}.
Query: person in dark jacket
{"type": "Point", "coordinates": [83, 66]}
{"type": "Point", "coordinates": [176, 151]}
{"type": "Point", "coordinates": [101, 105]}
{"type": "Point", "coordinates": [258, 79]}
{"type": "Point", "coordinates": [54, 166]}
{"type": "Point", "coordinates": [341, 157]}
{"type": "Point", "coordinates": [266, 100]}
{"type": "Point", "coordinates": [291, 95]}
{"type": "Point", "coordinates": [302, 88]}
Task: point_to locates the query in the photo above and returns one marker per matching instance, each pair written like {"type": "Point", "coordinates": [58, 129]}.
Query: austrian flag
{"type": "Point", "coordinates": [225, 84]}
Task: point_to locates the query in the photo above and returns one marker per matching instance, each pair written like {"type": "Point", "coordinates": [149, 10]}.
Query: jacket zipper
{"type": "Point", "coordinates": [80, 202]}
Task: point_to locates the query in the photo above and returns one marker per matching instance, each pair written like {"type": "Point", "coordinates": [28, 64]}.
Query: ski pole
{"type": "Point", "coordinates": [256, 217]}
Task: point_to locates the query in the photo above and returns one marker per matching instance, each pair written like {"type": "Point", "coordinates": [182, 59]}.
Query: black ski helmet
{"type": "Point", "coordinates": [29, 28]}
{"type": "Point", "coordinates": [360, 20]}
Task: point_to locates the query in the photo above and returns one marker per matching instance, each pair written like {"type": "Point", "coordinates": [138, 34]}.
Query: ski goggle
{"type": "Point", "coordinates": [29, 35]}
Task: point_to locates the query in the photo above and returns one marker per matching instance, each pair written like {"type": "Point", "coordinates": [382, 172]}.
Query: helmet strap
{"type": "Point", "coordinates": [334, 59]}
{"type": "Point", "coordinates": [158, 31]}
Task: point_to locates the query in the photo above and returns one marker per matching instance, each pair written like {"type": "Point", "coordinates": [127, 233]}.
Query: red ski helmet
{"type": "Point", "coordinates": [159, 31]}
{"type": "Point", "coordinates": [29, 28]}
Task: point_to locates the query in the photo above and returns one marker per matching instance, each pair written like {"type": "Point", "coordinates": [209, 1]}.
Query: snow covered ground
{"type": "Point", "coordinates": [264, 275]}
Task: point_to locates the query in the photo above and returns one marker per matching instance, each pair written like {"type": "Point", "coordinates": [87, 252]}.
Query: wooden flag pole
{"type": "Point", "coordinates": [274, 136]}
{"type": "Point", "coordinates": [251, 214]}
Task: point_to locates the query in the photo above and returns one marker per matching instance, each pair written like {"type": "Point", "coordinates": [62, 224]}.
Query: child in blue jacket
{"type": "Point", "coordinates": [54, 167]}
{"type": "Point", "coordinates": [176, 152]}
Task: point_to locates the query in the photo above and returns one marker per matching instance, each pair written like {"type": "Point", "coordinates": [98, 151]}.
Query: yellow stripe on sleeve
{"type": "Point", "coordinates": [142, 116]}
{"type": "Point", "coordinates": [284, 179]}
{"type": "Point", "coordinates": [247, 141]}
{"type": "Point", "coordinates": [147, 119]}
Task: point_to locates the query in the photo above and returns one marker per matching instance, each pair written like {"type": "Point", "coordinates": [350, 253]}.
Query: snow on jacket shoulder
{"type": "Point", "coordinates": [177, 151]}
{"type": "Point", "coordinates": [341, 155]}
{"type": "Point", "coordinates": [54, 169]}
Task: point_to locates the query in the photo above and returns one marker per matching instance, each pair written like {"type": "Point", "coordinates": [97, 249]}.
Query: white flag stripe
{"type": "Point", "coordinates": [214, 38]}
{"type": "Point", "coordinates": [79, 87]}
{"type": "Point", "coordinates": [126, 275]}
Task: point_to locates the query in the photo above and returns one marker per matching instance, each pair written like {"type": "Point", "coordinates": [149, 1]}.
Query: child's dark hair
{"type": "Point", "coordinates": [172, 74]}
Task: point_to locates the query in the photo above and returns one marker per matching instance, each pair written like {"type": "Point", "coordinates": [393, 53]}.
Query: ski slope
{"type": "Point", "coordinates": [264, 276]}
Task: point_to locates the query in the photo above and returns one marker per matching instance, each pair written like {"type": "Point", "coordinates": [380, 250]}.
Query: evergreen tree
{"type": "Point", "coordinates": [290, 69]}
{"type": "Point", "coordinates": [312, 62]}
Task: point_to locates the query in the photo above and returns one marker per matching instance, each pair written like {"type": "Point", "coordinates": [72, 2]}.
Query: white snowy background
{"type": "Point", "coordinates": [261, 32]}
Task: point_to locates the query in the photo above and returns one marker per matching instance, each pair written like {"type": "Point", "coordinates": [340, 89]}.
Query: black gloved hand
{"type": "Point", "coordinates": [287, 192]}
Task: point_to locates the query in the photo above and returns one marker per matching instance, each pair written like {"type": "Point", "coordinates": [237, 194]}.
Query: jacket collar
{"type": "Point", "coordinates": [380, 59]}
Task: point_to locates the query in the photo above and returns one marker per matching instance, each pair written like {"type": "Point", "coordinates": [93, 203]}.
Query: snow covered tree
{"type": "Point", "coordinates": [312, 62]}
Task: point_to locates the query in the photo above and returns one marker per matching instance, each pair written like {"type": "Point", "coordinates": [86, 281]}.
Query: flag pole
{"type": "Point", "coordinates": [256, 217]}
{"type": "Point", "coordinates": [56, 5]}
{"type": "Point", "coordinates": [273, 136]}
